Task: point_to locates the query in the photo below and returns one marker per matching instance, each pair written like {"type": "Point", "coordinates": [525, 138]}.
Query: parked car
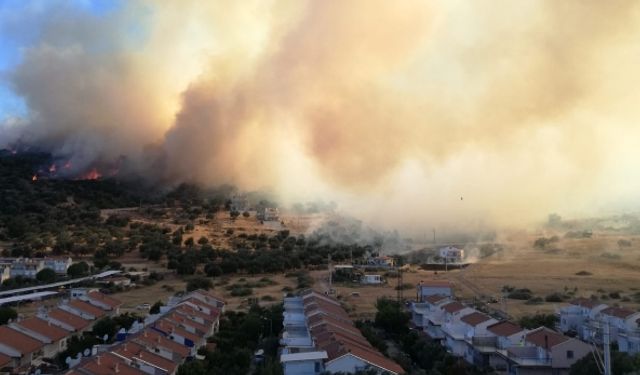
{"type": "Point", "coordinates": [143, 306]}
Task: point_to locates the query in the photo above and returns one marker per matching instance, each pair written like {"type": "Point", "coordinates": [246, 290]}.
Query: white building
{"type": "Point", "coordinates": [451, 254]}
{"type": "Point", "coordinates": [60, 265]}
{"type": "Point", "coordinates": [372, 279]}
{"type": "Point", "coordinates": [432, 288]}
{"type": "Point", "coordinates": [28, 268]}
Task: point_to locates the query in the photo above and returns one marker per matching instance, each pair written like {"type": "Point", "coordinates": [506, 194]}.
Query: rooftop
{"type": "Point", "coordinates": [504, 329]}
{"type": "Point", "coordinates": [475, 318]}
{"type": "Point", "coordinates": [453, 307]}
{"type": "Point", "coordinates": [18, 340]}
{"type": "Point", "coordinates": [44, 328]}
{"type": "Point", "coordinates": [544, 337]}
{"type": "Point", "coordinates": [68, 318]}
{"type": "Point", "coordinates": [304, 356]}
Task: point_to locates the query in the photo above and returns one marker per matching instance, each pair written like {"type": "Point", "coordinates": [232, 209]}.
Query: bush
{"type": "Point", "coordinates": [534, 301]}
{"type": "Point", "coordinates": [241, 292]}
{"type": "Point", "coordinates": [199, 283]}
{"type": "Point", "coordinates": [583, 273]}
{"type": "Point", "coordinates": [6, 314]}
{"type": "Point", "coordinates": [46, 276]}
{"type": "Point", "coordinates": [555, 297]}
{"type": "Point", "coordinates": [535, 321]}
{"type": "Point", "coordinates": [155, 309]}
{"type": "Point", "coordinates": [521, 294]}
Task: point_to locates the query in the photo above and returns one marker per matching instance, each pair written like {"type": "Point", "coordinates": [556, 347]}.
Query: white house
{"type": "Point", "coordinates": [433, 287]}
{"type": "Point", "coordinates": [577, 315]}
{"type": "Point", "coordinates": [372, 279]}
{"type": "Point", "coordinates": [304, 363]}
{"type": "Point", "coordinates": [60, 265]}
{"type": "Point", "coordinates": [28, 268]}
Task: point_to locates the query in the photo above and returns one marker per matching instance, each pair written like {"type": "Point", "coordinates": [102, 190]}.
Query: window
{"type": "Point", "coordinates": [569, 354]}
{"type": "Point", "coordinates": [317, 369]}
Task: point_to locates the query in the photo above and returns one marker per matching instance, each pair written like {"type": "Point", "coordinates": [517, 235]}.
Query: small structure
{"type": "Point", "coordinates": [60, 265]}
{"type": "Point", "coordinates": [372, 279]}
{"type": "Point", "coordinates": [382, 261]}
{"type": "Point", "coordinates": [451, 254]}
{"type": "Point", "coordinates": [433, 287]}
{"type": "Point", "coordinates": [239, 203]}
{"type": "Point", "coordinates": [268, 214]}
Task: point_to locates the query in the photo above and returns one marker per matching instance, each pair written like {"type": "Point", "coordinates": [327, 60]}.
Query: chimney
{"type": "Point", "coordinates": [125, 346]}
{"type": "Point", "coordinates": [116, 368]}
{"type": "Point", "coordinates": [98, 360]}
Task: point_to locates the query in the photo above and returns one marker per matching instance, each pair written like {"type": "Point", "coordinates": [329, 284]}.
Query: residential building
{"type": "Point", "coordinates": [51, 336]}
{"type": "Point", "coordinates": [545, 352]}
{"type": "Point", "coordinates": [433, 287]}
{"type": "Point", "coordinates": [372, 279]}
{"type": "Point", "coordinates": [22, 348]}
{"type": "Point", "coordinates": [318, 336]}
{"type": "Point", "coordinates": [59, 265]}
{"type": "Point", "coordinates": [27, 268]}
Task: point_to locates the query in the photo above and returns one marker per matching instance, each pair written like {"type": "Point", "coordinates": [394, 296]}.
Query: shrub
{"type": "Point", "coordinates": [555, 297]}
{"type": "Point", "coordinates": [583, 273]}
{"type": "Point", "coordinates": [521, 294]}
{"type": "Point", "coordinates": [241, 292]}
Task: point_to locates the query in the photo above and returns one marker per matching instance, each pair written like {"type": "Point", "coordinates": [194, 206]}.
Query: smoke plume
{"type": "Point", "coordinates": [414, 112]}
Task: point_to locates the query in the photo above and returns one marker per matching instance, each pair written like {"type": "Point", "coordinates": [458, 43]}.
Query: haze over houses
{"type": "Point", "coordinates": [488, 342]}
{"type": "Point", "coordinates": [586, 319]}
{"type": "Point", "coordinates": [319, 336]}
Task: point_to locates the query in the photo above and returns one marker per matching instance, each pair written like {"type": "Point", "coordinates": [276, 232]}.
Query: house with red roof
{"type": "Point", "coordinates": [67, 320]}
{"type": "Point", "coordinates": [53, 338]}
{"type": "Point", "coordinates": [20, 347]}
{"type": "Point", "coordinates": [545, 351]}
{"type": "Point", "coordinates": [319, 336]}
{"type": "Point", "coordinates": [575, 317]}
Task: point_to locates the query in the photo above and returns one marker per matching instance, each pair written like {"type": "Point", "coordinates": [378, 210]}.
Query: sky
{"type": "Point", "coordinates": [407, 114]}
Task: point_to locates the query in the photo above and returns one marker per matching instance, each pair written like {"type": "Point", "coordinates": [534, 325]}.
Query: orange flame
{"type": "Point", "coordinates": [52, 168]}
{"type": "Point", "coordinates": [34, 177]}
{"type": "Point", "coordinates": [93, 174]}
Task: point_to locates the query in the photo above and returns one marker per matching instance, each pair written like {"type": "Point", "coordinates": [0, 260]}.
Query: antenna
{"type": "Point", "coordinates": [330, 273]}
{"type": "Point", "coordinates": [400, 283]}
{"type": "Point", "coordinates": [607, 349]}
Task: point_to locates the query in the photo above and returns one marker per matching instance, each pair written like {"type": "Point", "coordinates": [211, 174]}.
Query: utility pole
{"type": "Point", "coordinates": [434, 236]}
{"type": "Point", "coordinates": [330, 274]}
{"type": "Point", "coordinates": [400, 296]}
{"type": "Point", "coordinates": [607, 348]}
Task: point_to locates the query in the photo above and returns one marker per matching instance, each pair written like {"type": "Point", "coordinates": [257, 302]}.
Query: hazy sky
{"type": "Point", "coordinates": [413, 113]}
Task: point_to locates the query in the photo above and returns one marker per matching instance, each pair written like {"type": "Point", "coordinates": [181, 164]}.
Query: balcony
{"type": "Point", "coordinates": [484, 344]}
{"type": "Point", "coordinates": [527, 356]}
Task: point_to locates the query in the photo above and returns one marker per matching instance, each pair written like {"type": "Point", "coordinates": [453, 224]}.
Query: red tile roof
{"type": "Point", "coordinates": [133, 350]}
{"type": "Point", "coordinates": [169, 327]}
{"type": "Point", "coordinates": [453, 307]}
{"type": "Point", "coordinates": [86, 308]}
{"type": "Point", "coordinates": [375, 359]}
{"type": "Point", "coordinates": [44, 328]}
{"type": "Point", "coordinates": [68, 318]}
{"type": "Point", "coordinates": [586, 302]}
{"type": "Point", "coordinates": [153, 338]}
{"type": "Point", "coordinates": [504, 329]}
{"type": "Point", "coordinates": [190, 311]}
{"type": "Point", "coordinates": [184, 321]}
{"type": "Point", "coordinates": [435, 298]}
{"type": "Point", "coordinates": [436, 283]}
{"type": "Point", "coordinates": [19, 341]}
{"type": "Point", "coordinates": [537, 338]}
{"type": "Point", "coordinates": [475, 318]}
{"type": "Point", "coordinates": [4, 360]}
{"type": "Point", "coordinates": [619, 312]}
{"type": "Point", "coordinates": [109, 364]}
{"type": "Point", "coordinates": [103, 298]}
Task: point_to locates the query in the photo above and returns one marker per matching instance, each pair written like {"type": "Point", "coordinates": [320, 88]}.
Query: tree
{"type": "Point", "coordinates": [203, 240]}
{"type": "Point", "coordinates": [78, 270]}
{"type": "Point", "coordinates": [156, 307]}
{"type": "Point", "coordinates": [105, 326]}
{"type": "Point", "coordinates": [391, 317]}
{"type": "Point", "coordinates": [535, 321]}
{"type": "Point", "coordinates": [199, 283]}
{"type": "Point", "coordinates": [189, 242]}
{"type": "Point", "coordinates": [212, 270]}
{"type": "Point", "coordinates": [193, 368]}
{"type": "Point", "coordinates": [6, 314]}
{"type": "Point", "coordinates": [246, 214]}
{"type": "Point", "coordinates": [46, 276]}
